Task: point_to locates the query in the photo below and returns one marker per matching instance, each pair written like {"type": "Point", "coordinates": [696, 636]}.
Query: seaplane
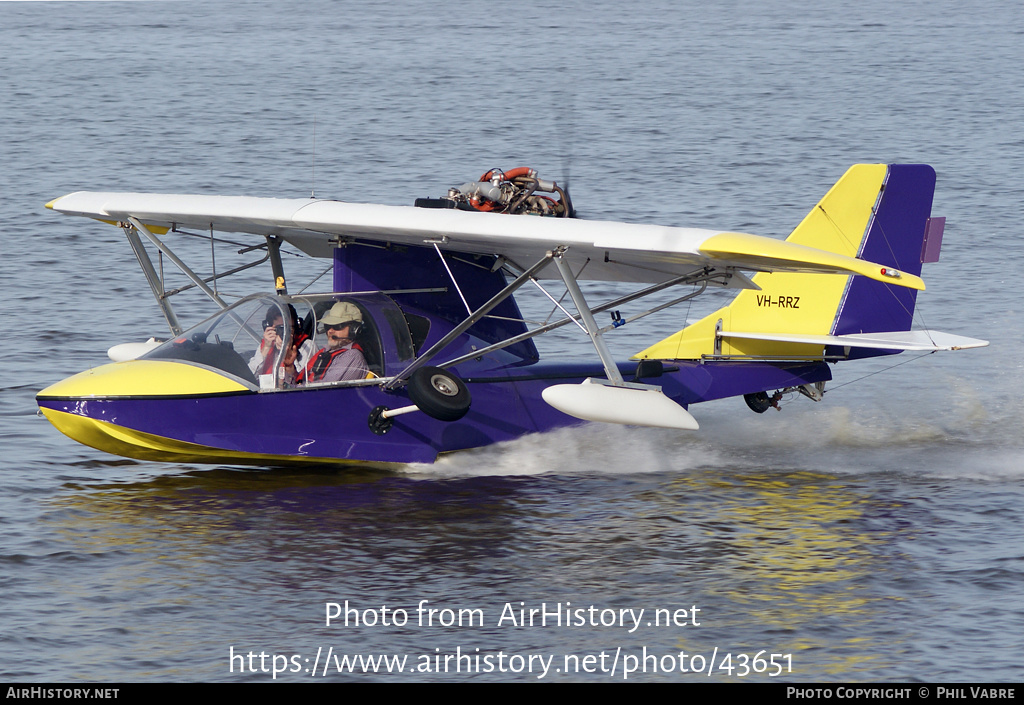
{"type": "Point", "coordinates": [423, 305]}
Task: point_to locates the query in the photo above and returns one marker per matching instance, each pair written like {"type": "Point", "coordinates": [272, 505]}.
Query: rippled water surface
{"type": "Point", "coordinates": [872, 536]}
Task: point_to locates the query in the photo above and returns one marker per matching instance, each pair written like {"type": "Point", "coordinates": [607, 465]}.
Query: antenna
{"type": "Point", "coordinates": [312, 187]}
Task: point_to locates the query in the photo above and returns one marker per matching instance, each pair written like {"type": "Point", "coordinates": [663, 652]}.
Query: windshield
{"type": "Point", "coordinates": [246, 341]}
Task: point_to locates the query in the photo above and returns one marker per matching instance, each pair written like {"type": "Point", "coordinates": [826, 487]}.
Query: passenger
{"type": "Point", "coordinates": [342, 359]}
{"type": "Point", "coordinates": [262, 361]}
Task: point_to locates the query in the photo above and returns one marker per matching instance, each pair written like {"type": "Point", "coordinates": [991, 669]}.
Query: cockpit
{"type": "Point", "coordinates": [250, 340]}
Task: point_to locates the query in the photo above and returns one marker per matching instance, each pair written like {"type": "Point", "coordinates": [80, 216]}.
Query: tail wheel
{"type": "Point", "coordinates": [439, 394]}
{"type": "Point", "coordinates": [760, 402]}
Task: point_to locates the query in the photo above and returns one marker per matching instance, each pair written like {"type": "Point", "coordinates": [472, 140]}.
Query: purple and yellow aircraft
{"type": "Point", "coordinates": [450, 362]}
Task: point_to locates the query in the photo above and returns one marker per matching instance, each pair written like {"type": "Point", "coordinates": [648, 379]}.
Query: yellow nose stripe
{"type": "Point", "coordinates": [143, 378]}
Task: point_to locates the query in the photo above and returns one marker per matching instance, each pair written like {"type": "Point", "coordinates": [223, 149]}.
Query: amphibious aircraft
{"type": "Point", "coordinates": [450, 363]}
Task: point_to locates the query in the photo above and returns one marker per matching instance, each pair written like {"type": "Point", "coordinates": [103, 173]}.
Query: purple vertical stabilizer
{"type": "Point", "coordinates": [895, 239]}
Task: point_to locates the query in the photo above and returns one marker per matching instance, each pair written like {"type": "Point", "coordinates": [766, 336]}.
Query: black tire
{"type": "Point", "coordinates": [439, 394]}
{"type": "Point", "coordinates": [759, 402]}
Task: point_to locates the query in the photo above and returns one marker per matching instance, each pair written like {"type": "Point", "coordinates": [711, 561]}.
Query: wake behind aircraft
{"type": "Point", "coordinates": [447, 361]}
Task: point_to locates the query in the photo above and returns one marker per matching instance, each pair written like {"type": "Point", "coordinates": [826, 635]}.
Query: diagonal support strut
{"type": "Point", "coordinates": [611, 370]}
{"type": "Point", "coordinates": [440, 345]}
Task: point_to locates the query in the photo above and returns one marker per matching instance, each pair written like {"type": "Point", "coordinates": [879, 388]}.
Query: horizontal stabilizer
{"type": "Point", "coordinates": [923, 340]}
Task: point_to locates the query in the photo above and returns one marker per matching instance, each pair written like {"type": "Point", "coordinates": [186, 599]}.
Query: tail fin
{"type": "Point", "coordinates": [875, 212]}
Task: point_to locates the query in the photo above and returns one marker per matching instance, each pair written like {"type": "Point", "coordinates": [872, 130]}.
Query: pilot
{"type": "Point", "coordinates": [262, 361]}
{"type": "Point", "coordinates": [342, 359]}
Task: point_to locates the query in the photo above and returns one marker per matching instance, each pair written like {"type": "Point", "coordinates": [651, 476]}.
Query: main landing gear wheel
{"type": "Point", "coordinates": [439, 394]}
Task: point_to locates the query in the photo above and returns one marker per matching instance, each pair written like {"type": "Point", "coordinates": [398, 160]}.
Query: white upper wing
{"type": "Point", "coordinates": [605, 250]}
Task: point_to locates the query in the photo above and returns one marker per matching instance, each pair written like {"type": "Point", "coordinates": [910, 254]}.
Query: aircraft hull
{"type": "Point", "coordinates": [330, 425]}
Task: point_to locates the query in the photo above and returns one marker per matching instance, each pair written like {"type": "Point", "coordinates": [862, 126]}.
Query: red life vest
{"type": "Point", "coordinates": [328, 356]}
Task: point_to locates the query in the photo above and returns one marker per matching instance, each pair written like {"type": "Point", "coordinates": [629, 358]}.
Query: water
{"type": "Point", "coordinates": [873, 536]}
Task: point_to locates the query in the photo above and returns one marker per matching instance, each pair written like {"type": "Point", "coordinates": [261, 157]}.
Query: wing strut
{"type": "Point", "coordinates": [470, 320]}
{"type": "Point", "coordinates": [274, 251]}
{"type": "Point", "coordinates": [177, 260]}
{"type": "Point", "coordinates": [703, 278]}
{"type": "Point", "coordinates": [154, 280]}
{"type": "Point", "coordinates": [588, 319]}
{"type": "Point", "coordinates": [469, 311]}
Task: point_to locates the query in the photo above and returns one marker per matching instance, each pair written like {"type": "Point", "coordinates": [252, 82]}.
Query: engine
{"type": "Point", "coordinates": [517, 191]}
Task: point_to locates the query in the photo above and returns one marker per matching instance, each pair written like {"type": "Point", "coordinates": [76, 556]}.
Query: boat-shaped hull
{"type": "Point", "coordinates": [331, 424]}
